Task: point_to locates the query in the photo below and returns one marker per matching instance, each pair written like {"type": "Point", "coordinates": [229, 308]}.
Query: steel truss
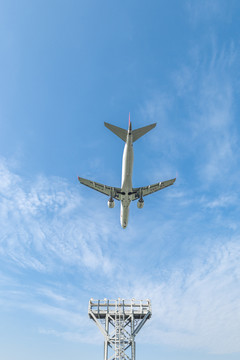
{"type": "Point", "coordinates": [119, 321]}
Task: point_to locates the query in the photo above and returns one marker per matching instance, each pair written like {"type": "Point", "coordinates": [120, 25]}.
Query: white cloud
{"type": "Point", "coordinates": [156, 109]}
{"type": "Point", "coordinates": [223, 201]}
{"type": "Point", "coordinates": [198, 308]}
{"type": "Point", "coordinates": [215, 130]}
{"type": "Point", "coordinates": [49, 230]}
{"type": "Point", "coordinates": [208, 10]}
{"type": "Point", "coordinates": [85, 337]}
{"type": "Point", "coordinates": [45, 220]}
{"type": "Point", "coordinates": [203, 134]}
{"type": "Point", "coordinates": [206, 87]}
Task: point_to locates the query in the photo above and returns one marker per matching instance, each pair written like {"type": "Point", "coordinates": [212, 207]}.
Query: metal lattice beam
{"type": "Point", "coordinates": [119, 321]}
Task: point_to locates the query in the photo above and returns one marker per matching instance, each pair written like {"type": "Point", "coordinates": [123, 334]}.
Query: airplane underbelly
{"type": "Point", "coordinates": [127, 169]}
{"type": "Point", "coordinates": [124, 215]}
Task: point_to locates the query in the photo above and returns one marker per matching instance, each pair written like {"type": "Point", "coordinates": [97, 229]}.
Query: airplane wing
{"type": "Point", "coordinates": [146, 190]}
{"type": "Point", "coordinates": [104, 189]}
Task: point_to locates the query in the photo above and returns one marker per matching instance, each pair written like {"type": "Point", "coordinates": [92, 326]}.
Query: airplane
{"type": "Point", "coordinates": [127, 193]}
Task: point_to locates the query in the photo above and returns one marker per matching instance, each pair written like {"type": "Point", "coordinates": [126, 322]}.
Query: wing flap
{"type": "Point", "coordinates": [104, 189]}
{"type": "Point", "coordinates": [150, 189]}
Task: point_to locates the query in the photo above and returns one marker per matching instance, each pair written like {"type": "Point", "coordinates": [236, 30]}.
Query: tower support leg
{"type": "Point", "coordinates": [106, 339]}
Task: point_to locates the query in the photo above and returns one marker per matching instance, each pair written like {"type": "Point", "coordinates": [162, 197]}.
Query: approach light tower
{"type": "Point", "coordinates": [119, 321]}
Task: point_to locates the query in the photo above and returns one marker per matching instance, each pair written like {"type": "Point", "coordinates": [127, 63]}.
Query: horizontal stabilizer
{"type": "Point", "coordinates": [122, 133]}
{"type": "Point", "coordinates": [136, 134]}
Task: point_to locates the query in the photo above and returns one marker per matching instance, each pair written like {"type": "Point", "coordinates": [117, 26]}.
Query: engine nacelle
{"type": "Point", "coordinates": [140, 203]}
{"type": "Point", "coordinates": [111, 203]}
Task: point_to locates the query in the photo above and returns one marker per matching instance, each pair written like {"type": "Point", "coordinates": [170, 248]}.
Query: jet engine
{"type": "Point", "coordinates": [140, 203]}
{"type": "Point", "coordinates": [111, 203]}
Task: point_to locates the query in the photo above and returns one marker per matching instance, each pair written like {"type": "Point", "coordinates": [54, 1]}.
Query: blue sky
{"type": "Point", "coordinates": [65, 68]}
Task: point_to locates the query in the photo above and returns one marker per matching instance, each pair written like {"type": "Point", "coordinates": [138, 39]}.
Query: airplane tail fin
{"type": "Point", "coordinates": [136, 134]}
{"type": "Point", "coordinates": [122, 133]}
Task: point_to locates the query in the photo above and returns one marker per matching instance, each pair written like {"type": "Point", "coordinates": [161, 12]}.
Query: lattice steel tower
{"type": "Point", "coordinates": [119, 321]}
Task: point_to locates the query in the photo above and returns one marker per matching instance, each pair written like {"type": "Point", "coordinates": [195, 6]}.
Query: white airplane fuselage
{"type": "Point", "coordinates": [126, 187]}
{"type": "Point", "coordinates": [127, 193]}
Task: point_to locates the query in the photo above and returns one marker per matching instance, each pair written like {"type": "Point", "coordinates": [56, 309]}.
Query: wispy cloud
{"type": "Point", "coordinates": [222, 201]}
{"type": "Point", "coordinates": [195, 302]}
{"type": "Point", "coordinates": [198, 307]}
{"type": "Point", "coordinates": [206, 143]}
{"type": "Point", "coordinates": [46, 229]}
{"type": "Point", "coordinates": [208, 85]}
{"type": "Point", "coordinates": [40, 222]}
{"type": "Point", "coordinates": [208, 10]}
